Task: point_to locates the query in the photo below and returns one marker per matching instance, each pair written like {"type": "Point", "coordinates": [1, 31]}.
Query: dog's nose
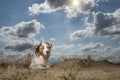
{"type": "Point", "coordinates": [47, 52]}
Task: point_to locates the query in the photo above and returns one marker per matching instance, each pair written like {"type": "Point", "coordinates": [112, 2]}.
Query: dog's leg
{"type": "Point", "coordinates": [47, 65]}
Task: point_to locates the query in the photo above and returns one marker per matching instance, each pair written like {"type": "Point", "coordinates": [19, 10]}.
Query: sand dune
{"type": "Point", "coordinates": [71, 69]}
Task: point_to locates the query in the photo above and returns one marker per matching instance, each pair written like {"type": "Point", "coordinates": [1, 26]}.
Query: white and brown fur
{"type": "Point", "coordinates": [40, 59]}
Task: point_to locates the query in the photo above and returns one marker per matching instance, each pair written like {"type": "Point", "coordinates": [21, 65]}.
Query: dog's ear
{"type": "Point", "coordinates": [42, 41]}
{"type": "Point", "coordinates": [50, 44]}
{"type": "Point", "coordinates": [35, 46]}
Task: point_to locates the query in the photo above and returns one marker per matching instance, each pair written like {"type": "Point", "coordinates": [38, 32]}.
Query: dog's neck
{"type": "Point", "coordinates": [41, 55]}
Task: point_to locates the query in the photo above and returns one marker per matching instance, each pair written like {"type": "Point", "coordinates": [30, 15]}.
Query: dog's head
{"type": "Point", "coordinates": [43, 49]}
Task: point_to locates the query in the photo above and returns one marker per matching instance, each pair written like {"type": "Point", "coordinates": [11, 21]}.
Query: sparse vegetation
{"type": "Point", "coordinates": [6, 64]}
{"type": "Point", "coordinates": [14, 77]}
{"type": "Point", "coordinates": [70, 74]}
{"type": "Point", "coordinates": [86, 62]}
{"type": "Point", "coordinates": [69, 69]}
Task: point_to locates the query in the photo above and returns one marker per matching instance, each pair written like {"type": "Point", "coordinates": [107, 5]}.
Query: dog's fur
{"type": "Point", "coordinates": [40, 59]}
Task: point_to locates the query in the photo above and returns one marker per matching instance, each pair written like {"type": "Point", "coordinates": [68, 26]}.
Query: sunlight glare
{"type": "Point", "coordinates": [75, 2]}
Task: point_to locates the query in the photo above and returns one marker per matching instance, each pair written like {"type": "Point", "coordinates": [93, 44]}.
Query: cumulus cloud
{"type": "Point", "coordinates": [104, 24]}
{"type": "Point", "coordinates": [83, 6]}
{"type": "Point", "coordinates": [45, 7]}
{"type": "Point", "coordinates": [91, 46]}
{"type": "Point", "coordinates": [71, 8]}
{"type": "Point", "coordinates": [20, 38]}
{"type": "Point", "coordinates": [99, 51]}
{"type": "Point", "coordinates": [102, 0]}
{"type": "Point", "coordinates": [21, 32]}
{"type": "Point", "coordinates": [23, 29]}
{"type": "Point", "coordinates": [88, 31]}
{"type": "Point", "coordinates": [107, 24]}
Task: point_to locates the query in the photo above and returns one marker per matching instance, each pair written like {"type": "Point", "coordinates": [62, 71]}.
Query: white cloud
{"type": "Point", "coordinates": [72, 10]}
{"type": "Point", "coordinates": [41, 8]}
{"type": "Point", "coordinates": [53, 39]}
{"type": "Point", "coordinates": [98, 51]}
{"type": "Point", "coordinates": [82, 33]}
{"type": "Point", "coordinates": [84, 6]}
{"type": "Point", "coordinates": [21, 32]}
{"type": "Point", "coordinates": [102, 0]}
{"type": "Point", "coordinates": [91, 46]}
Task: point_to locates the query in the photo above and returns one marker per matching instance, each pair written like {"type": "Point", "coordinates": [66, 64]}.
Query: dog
{"type": "Point", "coordinates": [40, 59]}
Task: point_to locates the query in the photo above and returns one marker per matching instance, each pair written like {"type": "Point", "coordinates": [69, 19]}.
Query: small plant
{"type": "Point", "coordinates": [86, 62]}
{"type": "Point", "coordinates": [69, 74]}
{"type": "Point", "coordinates": [6, 64]}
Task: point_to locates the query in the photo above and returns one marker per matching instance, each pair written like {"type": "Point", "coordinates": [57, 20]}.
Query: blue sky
{"type": "Point", "coordinates": [74, 27]}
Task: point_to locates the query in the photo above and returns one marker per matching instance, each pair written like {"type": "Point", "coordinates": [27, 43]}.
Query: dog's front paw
{"type": "Point", "coordinates": [47, 66]}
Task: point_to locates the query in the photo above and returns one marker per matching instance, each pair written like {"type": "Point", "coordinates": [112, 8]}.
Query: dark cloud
{"type": "Point", "coordinates": [19, 47]}
{"type": "Point", "coordinates": [104, 24]}
{"type": "Point", "coordinates": [107, 23]}
{"type": "Point", "coordinates": [92, 46]}
{"type": "Point", "coordinates": [25, 31]}
{"type": "Point", "coordinates": [58, 3]}
{"type": "Point", "coordinates": [103, 20]}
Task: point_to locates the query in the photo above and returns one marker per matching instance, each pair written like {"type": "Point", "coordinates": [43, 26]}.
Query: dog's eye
{"type": "Point", "coordinates": [48, 47]}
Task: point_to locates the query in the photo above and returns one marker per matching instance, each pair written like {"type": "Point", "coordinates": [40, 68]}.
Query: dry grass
{"type": "Point", "coordinates": [72, 73]}
{"type": "Point", "coordinates": [69, 74]}
{"type": "Point", "coordinates": [70, 69]}
{"type": "Point", "coordinates": [6, 64]}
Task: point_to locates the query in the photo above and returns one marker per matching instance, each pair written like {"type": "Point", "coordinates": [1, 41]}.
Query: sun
{"type": "Point", "coordinates": [75, 2]}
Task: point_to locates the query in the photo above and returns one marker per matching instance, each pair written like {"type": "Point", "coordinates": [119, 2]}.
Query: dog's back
{"type": "Point", "coordinates": [24, 61]}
